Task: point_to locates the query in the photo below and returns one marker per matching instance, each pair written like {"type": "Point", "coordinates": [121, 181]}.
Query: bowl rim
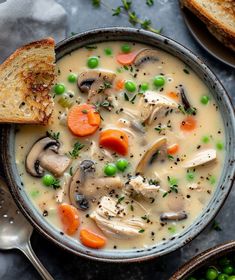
{"type": "Point", "coordinates": [174, 48]}
{"type": "Point", "coordinates": [202, 259]}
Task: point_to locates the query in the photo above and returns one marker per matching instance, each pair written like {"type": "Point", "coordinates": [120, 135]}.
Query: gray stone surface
{"type": "Point", "coordinates": [65, 266]}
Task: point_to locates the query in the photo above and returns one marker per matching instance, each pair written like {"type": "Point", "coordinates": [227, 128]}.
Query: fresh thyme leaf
{"type": "Point", "coordinates": [145, 24]}
{"type": "Point", "coordinates": [96, 3]}
{"type": "Point", "coordinates": [174, 188]}
{"type": "Point", "coordinates": [76, 148]}
{"type": "Point", "coordinates": [90, 47]}
{"type": "Point", "coordinates": [117, 11]}
{"type": "Point", "coordinates": [144, 217]}
{"type": "Point", "coordinates": [126, 4]}
{"type": "Point", "coordinates": [106, 103]}
{"type": "Point", "coordinates": [165, 194]}
{"type": "Point", "coordinates": [170, 157]}
{"type": "Point", "coordinates": [71, 171]}
{"type": "Point", "coordinates": [120, 199]}
{"type": "Point", "coordinates": [149, 2]}
{"type": "Point", "coordinates": [53, 135]}
{"type": "Point", "coordinates": [126, 96]}
{"type": "Point", "coordinates": [133, 19]}
{"type": "Point", "coordinates": [141, 230]}
{"type": "Point", "coordinates": [216, 226]}
{"type": "Point", "coordinates": [84, 111]}
{"type": "Point", "coordinates": [133, 99]}
{"type": "Point", "coordinates": [125, 67]}
{"type": "Point", "coordinates": [186, 71]}
{"type": "Point", "coordinates": [56, 184]}
{"type": "Point", "coordinates": [132, 207]}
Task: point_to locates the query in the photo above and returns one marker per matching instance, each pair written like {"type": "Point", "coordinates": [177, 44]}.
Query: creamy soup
{"type": "Point", "coordinates": [134, 150]}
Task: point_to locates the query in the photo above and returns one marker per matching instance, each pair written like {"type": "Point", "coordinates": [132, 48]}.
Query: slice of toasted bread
{"type": "Point", "coordinates": [219, 17]}
{"type": "Point", "coordinates": [26, 78]}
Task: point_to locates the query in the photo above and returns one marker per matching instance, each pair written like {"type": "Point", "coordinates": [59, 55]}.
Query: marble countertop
{"type": "Point", "coordinates": [65, 266]}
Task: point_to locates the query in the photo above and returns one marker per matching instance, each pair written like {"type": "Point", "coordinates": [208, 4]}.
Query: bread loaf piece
{"type": "Point", "coordinates": [26, 78]}
{"type": "Point", "coordinates": [219, 17]}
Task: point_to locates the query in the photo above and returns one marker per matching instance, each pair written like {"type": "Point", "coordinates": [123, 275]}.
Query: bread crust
{"type": "Point", "coordinates": [217, 28]}
{"type": "Point", "coordinates": [31, 69]}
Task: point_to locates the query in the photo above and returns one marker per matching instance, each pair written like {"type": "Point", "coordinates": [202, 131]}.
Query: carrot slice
{"type": "Point", "coordinates": [188, 124]}
{"type": "Point", "coordinates": [120, 84]}
{"type": "Point", "coordinates": [92, 240]}
{"type": "Point", "coordinates": [115, 140]}
{"type": "Point", "coordinates": [126, 58]}
{"type": "Point", "coordinates": [173, 149]}
{"type": "Point", "coordinates": [69, 218]}
{"type": "Point", "coordinates": [83, 119]}
{"type": "Point", "coordinates": [173, 95]}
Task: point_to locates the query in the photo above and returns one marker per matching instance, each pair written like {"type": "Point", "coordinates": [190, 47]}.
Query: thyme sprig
{"type": "Point", "coordinates": [126, 9]}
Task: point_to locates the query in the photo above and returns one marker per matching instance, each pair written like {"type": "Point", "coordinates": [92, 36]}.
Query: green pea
{"type": "Point", "coordinates": [232, 277]}
{"type": "Point", "coordinates": [72, 78]}
{"type": "Point", "coordinates": [108, 51]}
{"type": "Point", "coordinates": [144, 86]}
{"type": "Point", "coordinates": [126, 48]}
{"type": "Point", "coordinates": [93, 62]}
{"type": "Point", "coordinates": [223, 276]}
{"type": "Point", "coordinates": [130, 86]}
{"type": "Point", "coordinates": [122, 164]}
{"type": "Point", "coordinates": [159, 81]}
{"type": "Point", "coordinates": [59, 89]}
{"type": "Point", "coordinates": [205, 99]}
{"type": "Point", "coordinates": [110, 169]}
{"type": "Point", "coordinates": [48, 180]}
{"type": "Point", "coordinates": [205, 139]}
{"type": "Point", "coordinates": [219, 146]}
{"type": "Point", "coordinates": [211, 274]}
{"type": "Point", "coordinates": [228, 269]}
{"type": "Point", "coordinates": [190, 175]}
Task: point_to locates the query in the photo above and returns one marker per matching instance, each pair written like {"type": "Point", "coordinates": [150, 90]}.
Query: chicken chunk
{"type": "Point", "coordinates": [110, 218]}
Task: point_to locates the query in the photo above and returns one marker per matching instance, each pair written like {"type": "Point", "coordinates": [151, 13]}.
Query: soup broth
{"type": "Point", "coordinates": [141, 159]}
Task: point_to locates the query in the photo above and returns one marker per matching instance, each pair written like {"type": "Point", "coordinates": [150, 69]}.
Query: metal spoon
{"type": "Point", "coordinates": [15, 231]}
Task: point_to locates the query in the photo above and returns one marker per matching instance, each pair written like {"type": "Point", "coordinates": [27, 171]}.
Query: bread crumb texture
{"type": "Point", "coordinates": [26, 79]}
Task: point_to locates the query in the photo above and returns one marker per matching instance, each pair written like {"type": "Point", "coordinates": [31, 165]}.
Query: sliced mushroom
{"type": "Point", "coordinates": [139, 186]}
{"type": "Point", "coordinates": [201, 158]}
{"type": "Point", "coordinates": [44, 154]}
{"type": "Point", "coordinates": [54, 163]}
{"type": "Point", "coordinates": [148, 155]}
{"type": "Point", "coordinates": [109, 217]}
{"type": "Point", "coordinates": [152, 103]}
{"type": "Point", "coordinates": [145, 56]}
{"type": "Point", "coordinates": [95, 83]}
{"type": "Point", "coordinates": [84, 186]}
{"type": "Point", "coordinates": [173, 216]}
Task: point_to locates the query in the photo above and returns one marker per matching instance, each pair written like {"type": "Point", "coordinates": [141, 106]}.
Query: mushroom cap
{"type": "Point", "coordinates": [145, 56]}
{"type": "Point", "coordinates": [95, 82]}
{"type": "Point", "coordinates": [32, 162]}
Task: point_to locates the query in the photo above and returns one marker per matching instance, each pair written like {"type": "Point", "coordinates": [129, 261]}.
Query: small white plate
{"type": "Point", "coordinates": [200, 32]}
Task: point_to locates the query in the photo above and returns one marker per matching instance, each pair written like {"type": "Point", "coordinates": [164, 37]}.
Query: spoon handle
{"type": "Point", "coordinates": [29, 253]}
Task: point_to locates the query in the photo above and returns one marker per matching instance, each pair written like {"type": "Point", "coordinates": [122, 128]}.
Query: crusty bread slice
{"type": "Point", "coordinates": [26, 78]}
{"type": "Point", "coordinates": [219, 17]}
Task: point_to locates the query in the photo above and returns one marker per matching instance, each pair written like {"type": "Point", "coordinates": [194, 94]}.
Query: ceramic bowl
{"type": "Point", "coordinates": [205, 258]}
{"type": "Point", "coordinates": [224, 184]}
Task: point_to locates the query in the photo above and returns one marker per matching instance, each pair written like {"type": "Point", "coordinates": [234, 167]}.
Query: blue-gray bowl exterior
{"type": "Point", "coordinates": [205, 258]}
{"type": "Point", "coordinates": [224, 184]}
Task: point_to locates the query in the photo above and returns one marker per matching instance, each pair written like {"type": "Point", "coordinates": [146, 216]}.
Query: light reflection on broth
{"type": "Point", "coordinates": [165, 198]}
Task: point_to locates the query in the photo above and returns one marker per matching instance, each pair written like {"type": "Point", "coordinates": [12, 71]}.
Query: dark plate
{"type": "Point", "coordinates": [206, 258]}
{"type": "Point", "coordinates": [224, 184]}
{"type": "Point", "coordinates": [200, 32]}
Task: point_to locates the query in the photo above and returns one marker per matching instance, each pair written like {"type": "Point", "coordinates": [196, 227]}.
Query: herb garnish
{"type": "Point", "coordinates": [153, 182]}
{"type": "Point", "coordinates": [173, 186]}
{"type": "Point", "coordinates": [56, 184]}
{"type": "Point", "coordinates": [126, 9]}
{"type": "Point", "coordinates": [90, 47]}
{"type": "Point", "coordinates": [120, 199]}
{"type": "Point", "coordinates": [216, 226]}
{"type": "Point", "coordinates": [141, 230]}
{"type": "Point", "coordinates": [53, 135]}
{"type": "Point", "coordinates": [76, 148]}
